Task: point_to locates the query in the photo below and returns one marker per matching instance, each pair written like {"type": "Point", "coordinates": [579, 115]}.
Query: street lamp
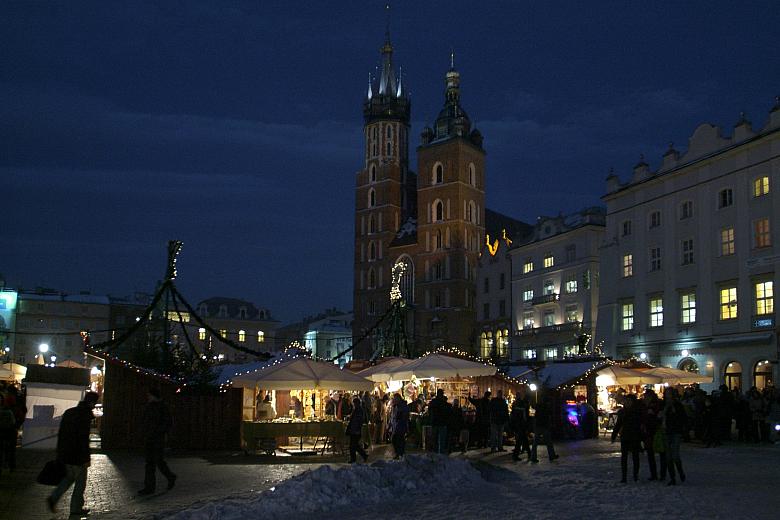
{"type": "Point", "coordinates": [43, 348]}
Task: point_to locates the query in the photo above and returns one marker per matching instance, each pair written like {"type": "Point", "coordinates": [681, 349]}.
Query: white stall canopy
{"type": "Point", "coordinates": [674, 376]}
{"type": "Point", "coordinates": [302, 374]}
{"type": "Point", "coordinates": [614, 375]}
{"type": "Point", "coordinates": [438, 366]}
{"type": "Point", "coordinates": [379, 372]}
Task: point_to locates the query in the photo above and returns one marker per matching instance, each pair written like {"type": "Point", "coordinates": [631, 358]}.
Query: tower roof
{"type": "Point", "coordinates": [386, 98]}
{"type": "Point", "coordinates": [452, 120]}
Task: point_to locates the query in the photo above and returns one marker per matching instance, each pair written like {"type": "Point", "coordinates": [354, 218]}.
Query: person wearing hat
{"type": "Point", "coordinates": [157, 422]}
{"type": "Point", "coordinates": [73, 452]}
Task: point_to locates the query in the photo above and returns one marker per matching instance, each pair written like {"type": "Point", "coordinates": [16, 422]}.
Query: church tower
{"type": "Point", "coordinates": [384, 195]}
{"type": "Point", "coordinates": [450, 224]}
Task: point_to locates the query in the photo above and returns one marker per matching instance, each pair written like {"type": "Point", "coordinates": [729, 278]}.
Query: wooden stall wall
{"type": "Point", "coordinates": [200, 422]}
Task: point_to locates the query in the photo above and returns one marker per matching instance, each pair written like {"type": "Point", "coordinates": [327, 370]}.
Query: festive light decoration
{"type": "Point", "coordinates": [395, 289]}
{"type": "Point", "coordinates": [493, 248]}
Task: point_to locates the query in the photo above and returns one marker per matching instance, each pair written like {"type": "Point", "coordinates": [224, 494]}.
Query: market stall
{"type": "Point", "coordinates": [675, 377]}
{"type": "Point", "coordinates": [297, 389]}
{"type": "Point", "coordinates": [12, 372]}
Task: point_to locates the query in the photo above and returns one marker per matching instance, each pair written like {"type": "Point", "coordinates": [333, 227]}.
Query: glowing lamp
{"type": "Point", "coordinates": [95, 371]}
{"type": "Point", "coordinates": [533, 387]}
{"type": "Point", "coordinates": [777, 427]}
{"type": "Point", "coordinates": [685, 353]}
{"type": "Point", "coordinates": [642, 356]}
{"type": "Point", "coordinates": [43, 348]}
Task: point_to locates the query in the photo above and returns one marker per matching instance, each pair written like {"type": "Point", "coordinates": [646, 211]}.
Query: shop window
{"type": "Point", "coordinates": [628, 265]}
{"type": "Point", "coordinates": [763, 376]}
{"type": "Point", "coordinates": [728, 303]}
{"type": "Point", "coordinates": [765, 302]}
{"type": "Point", "coordinates": [733, 376]}
{"type": "Point", "coordinates": [689, 365]}
{"type": "Point", "coordinates": [550, 353]}
{"type": "Point", "coordinates": [529, 353]}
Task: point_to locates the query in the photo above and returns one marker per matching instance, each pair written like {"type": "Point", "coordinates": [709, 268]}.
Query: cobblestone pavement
{"type": "Point", "coordinates": [115, 478]}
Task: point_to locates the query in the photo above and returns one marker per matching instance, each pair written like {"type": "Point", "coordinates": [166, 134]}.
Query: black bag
{"type": "Point", "coordinates": [52, 473]}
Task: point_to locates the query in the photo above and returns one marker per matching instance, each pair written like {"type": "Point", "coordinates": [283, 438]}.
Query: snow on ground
{"type": "Point", "coordinates": [731, 482]}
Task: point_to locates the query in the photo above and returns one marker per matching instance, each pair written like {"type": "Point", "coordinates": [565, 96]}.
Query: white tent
{"type": "Point", "coordinates": [17, 371]}
{"type": "Point", "coordinates": [614, 375]}
{"type": "Point", "coordinates": [674, 376]}
{"type": "Point", "coordinates": [438, 366]}
{"type": "Point", "coordinates": [302, 374]}
{"type": "Point", "coordinates": [379, 372]}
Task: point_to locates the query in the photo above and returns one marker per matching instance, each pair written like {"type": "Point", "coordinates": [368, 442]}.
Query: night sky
{"type": "Point", "coordinates": [237, 126]}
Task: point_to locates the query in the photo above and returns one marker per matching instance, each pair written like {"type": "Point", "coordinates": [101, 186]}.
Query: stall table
{"type": "Point", "coordinates": [260, 432]}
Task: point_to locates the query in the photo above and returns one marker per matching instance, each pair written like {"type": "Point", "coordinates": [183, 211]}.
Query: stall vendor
{"type": "Point", "coordinates": [265, 410]}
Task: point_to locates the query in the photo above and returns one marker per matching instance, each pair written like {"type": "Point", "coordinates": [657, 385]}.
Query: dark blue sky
{"type": "Point", "coordinates": [236, 126]}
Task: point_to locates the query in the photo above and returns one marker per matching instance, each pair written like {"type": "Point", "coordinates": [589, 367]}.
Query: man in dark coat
{"type": "Point", "coordinates": [543, 428]}
{"type": "Point", "coordinates": [629, 427]}
{"type": "Point", "coordinates": [157, 422]}
{"type": "Point", "coordinates": [355, 431]}
{"type": "Point", "coordinates": [441, 413]}
{"type": "Point", "coordinates": [518, 421]}
{"type": "Point", "coordinates": [73, 452]}
{"type": "Point", "coordinates": [482, 419]}
{"type": "Point", "coordinates": [399, 425]}
{"type": "Point", "coordinates": [499, 416]}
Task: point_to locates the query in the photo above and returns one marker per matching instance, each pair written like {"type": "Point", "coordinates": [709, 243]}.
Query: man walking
{"type": "Point", "coordinates": [543, 428]}
{"type": "Point", "coordinates": [73, 452]}
{"type": "Point", "coordinates": [157, 421]}
{"type": "Point", "coordinates": [399, 424]}
{"type": "Point", "coordinates": [440, 411]}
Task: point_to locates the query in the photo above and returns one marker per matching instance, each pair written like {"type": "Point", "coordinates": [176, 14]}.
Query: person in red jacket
{"type": "Point", "coordinates": [73, 452]}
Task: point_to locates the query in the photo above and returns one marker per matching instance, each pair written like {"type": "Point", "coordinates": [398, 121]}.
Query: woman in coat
{"type": "Point", "coordinates": [354, 430]}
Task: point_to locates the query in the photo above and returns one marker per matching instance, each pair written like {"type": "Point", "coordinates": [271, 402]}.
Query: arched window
{"type": "Point", "coordinates": [403, 276]}
{"type": "Point", "coordinates": [438, 239]}
{"type": "Point", "coordinates": [733, 375]}
{"type": "Point", "coordinates": [371, 198]}
{"type": "Point", "coordinates": [438, 173]}
{"type": "Point", "coordinates": [371, 278]}
{"type": "Point", "coordinates": [763, 375]}
{"type": "Point", "coordinates": [372, 251]}
{"type": "Point", "coordinates": [472, 174]}
{"type": "Point", "coordinates": [472, 212]}
{"type": "Point", "coordinates": [689, 365]}
{"type": "Point", "coordinates": [389, 149]}
{"type": "Point", "coordinates": [438, 211]}
{"type": "Point", "coordinates": [371, 224]}
{"type": "Point", "coordinates": [372, 173]}
{"type": "Point", "coordinates": [389, 132]}
{"type": "Point", "coordinates": [484, 349]}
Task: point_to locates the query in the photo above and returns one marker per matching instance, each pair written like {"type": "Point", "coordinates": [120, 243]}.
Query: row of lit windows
{"type": "Point", "coordinates": [548, 317]}
{"type": "Point", "coordinates": [761, 238]}
{"type": "Point", "coordinates": [763, 292]}
{"type": "Point", "coordinates": [548, 260]}
{"type": "Point", "coordinates": [570, 286]}
{"type": "Point", "coordinates": [223, 333]}
{"type": "Point", "coordinates": [760, 187]}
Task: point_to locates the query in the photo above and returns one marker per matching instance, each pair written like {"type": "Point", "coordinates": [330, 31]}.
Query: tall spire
{"type": "Point", "coordinates": [370, 90]}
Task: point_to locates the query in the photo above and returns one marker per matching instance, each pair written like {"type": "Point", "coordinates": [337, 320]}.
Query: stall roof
{"type": "Point", "coordinates": [554, 374]}
{"type": "Point", "coordinates": [440, 366]}
{"type": "Point", "coordinates": [378, 372]}
{"type": "Point", "coordinates": [301, 374]}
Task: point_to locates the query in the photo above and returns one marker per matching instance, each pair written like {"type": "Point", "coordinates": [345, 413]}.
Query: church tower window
{"type": "Point", "coordinates": [438, 211]}
{"type": "Point", "coordinates": [372, 173]}
{"type": "Point", "coordinates": [472, 175]}
{"type": "Point", "coordinates": [438, 174]}
{"type": "Point", "coordinates": [371, 198]}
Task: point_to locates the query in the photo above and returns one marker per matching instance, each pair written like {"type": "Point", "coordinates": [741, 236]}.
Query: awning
{"type": "Point", "coordinates": [440, 366]}
{"type": "Point", "coordinates": [303, 374]}
{"type": "Point", "coordinates": [674, 376]}
{"type": "Point", "coordinates": [614, 375]}
{"type": "Point", "coordinates": [379, 372]}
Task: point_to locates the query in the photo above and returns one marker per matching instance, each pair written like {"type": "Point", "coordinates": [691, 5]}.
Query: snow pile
{"type": "Point", "coordinates": [326, 489]}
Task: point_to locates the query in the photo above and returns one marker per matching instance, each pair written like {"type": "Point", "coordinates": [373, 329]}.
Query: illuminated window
{"type": "Point", "coordinates": [687, 252]}
{"type": "Point", "coordinates": [503, 344]}
{"type": "Point", "coordinates": [688, 307]}
{"type": "Point", "coordinates": [241, 336]}
{"type": "Point", "coordinates": [727, 241]}
{"type": "Point", "coordinates": [686, 209]}
{"type": "Point", "coordinates": [628, 265]}
{"type": "Point", "coordinates": [549, 260]}
{"type": "Point", "coordinates": [655, 258]}
{"type": "Point", "coordinates": [548, 319]}
{"type": "Point", "coordinates": [655, 219]}
{"type": "Point", "coordinates": [201, 334]}
{"type": "Point", "coordinates": [656, 311]}
{"type": "Point", "coordinates": [260, 336]}
{"type": "Point", "coordinates": [765, 302]}
{"type": "Point", "coordinates": [571, 314]}
{"type": "Point", "coordinates": [528, 320]}
{"type": "Point", "coordinates": [550, 353]}
{"type": "Point", "coordinates": [626, 228]}
{"type": "Point", "coordinates": [548, 287]}
{"type": "Point", "coordinates": [223, 333]}
{"type": "Point", "coordinates": [571, 284]}
{"type": "Point", "coordinates": [529, 353]}
{"type": "Point", "coordinates": [761, 234]}
{"type": "Point", "coordinates": [486, 344]}
{"type": "Point", "coordinates": [627, 316]}
{"type": "Point", "coordinates": [728, 303]}
{"type": "Point", "coordinates": [528, 266]}
{"type": "Point", "coordinates": [528, 295]}
{"type": "Point", "coordinates": [725, 198]}
{"type": "Point", "coordinates": [761, 186]}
